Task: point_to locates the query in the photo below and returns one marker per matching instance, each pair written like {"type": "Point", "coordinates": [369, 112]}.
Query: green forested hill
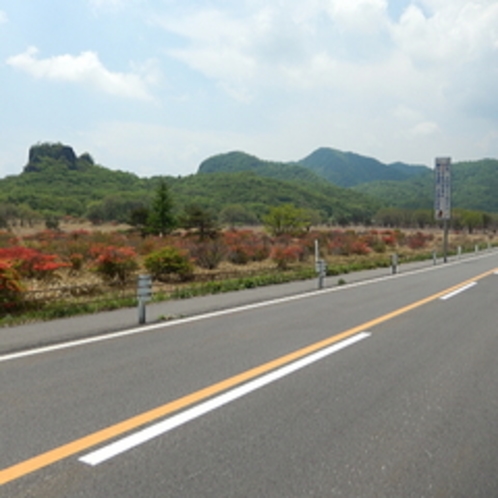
{"type": "Point", "coordinates": [233, 162]}
{"type": "Point", "coordinates": [474, 187]}
{"type": "Point", "coordinates": [258, 193]}
{"type": "Point", "coordinates": [55, 183]}
{"type": "Point", "coordinates": [347, 169]}
{"type": "Point", "coordinates": [343, 169]}
{"type": "Point", "coordinates": [52, 185]}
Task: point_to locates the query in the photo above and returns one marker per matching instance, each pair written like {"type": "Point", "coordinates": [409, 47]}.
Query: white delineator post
{"type": "Point", "coordinates": [144, 294]}
{"type": "Point", "coordinates": [320, 266]}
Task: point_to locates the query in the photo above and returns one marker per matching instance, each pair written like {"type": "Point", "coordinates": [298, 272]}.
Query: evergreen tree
{"type": "Point", "coordinates": [201, 220]}
{"type": "Point", "coordinates": [161, 220]}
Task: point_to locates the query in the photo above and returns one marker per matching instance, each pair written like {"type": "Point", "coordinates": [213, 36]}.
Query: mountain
{"type": "Point", "coordinates": [56, 182]}
{"type": "Point", "coordinates": [347, 169]}
{"type": "Point", "coordinates": [233, 162]}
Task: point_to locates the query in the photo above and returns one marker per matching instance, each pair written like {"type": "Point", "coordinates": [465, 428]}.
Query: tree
{"type": "Point", "coordinates": [472, 220]}
{"type": "Point", "coordinates": [139, 218]}
{"type": "Point", "coordinates": [237, 214]}
{"type": "Point", "coordinates": [8, 215]}
{"type": "Point", "coordinates": [286, 219]}
{"type": "Point", "coordinates": [161, 220]}
{"type": "Point", "coordinates": [422, 218]}
{"type": "Point", "coordinates": [200, 219]}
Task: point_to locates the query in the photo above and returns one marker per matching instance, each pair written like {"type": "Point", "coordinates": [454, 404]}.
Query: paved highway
{"type": "Point", "coordinates": [384, 388]}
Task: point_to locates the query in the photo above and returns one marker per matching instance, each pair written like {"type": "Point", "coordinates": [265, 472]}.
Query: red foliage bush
{"type": "Point", "coordinates": [114, 263]}
{"type": "Point", "coordinates": [245, 245]}
{"type": "Point", "coordinates": [31, 263]}
{"type": "Point", "coordinates": [359, 247]}
{"type": "Point", "coordinates": [349, 242]}
{"type": "Point", "coordinates": [418, 240]}
{"type": "Point", "coordinates": [284, 255]}
{"type": "Point", "coordinates": [389, 238]}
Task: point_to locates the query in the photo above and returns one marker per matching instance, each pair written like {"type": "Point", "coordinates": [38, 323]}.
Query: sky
{"type": "Point", "coordinates": [154, 87]}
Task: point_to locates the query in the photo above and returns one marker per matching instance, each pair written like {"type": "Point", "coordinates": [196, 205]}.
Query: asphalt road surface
{"type": "Point", "coordinates": [382, 388]}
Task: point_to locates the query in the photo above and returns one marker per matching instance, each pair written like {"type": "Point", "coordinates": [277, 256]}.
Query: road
{"type": "Point", "coordinates": [383, 388]}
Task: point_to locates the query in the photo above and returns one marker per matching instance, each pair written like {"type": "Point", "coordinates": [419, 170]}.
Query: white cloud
{"type": "Point", "coordinates": [364, 16]}
{"type": "Point", "coordinates": [456, 44]}
{"type": "Point", "coordinates": [425, 128]}
{"type": "Point", "coordinates": [3, 17]}
{"type": "Point", "coordinates": [455, 33]}
{"type": "Point", "coordinates": [344, 43]}
{"type": "Point", "coordinates": [86, 69]}
{"type": "Point", "coordinates": [276, 45]}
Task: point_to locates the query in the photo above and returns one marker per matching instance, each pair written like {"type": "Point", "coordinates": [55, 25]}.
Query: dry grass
{"type": "Point", "coordinates": [21, 231]}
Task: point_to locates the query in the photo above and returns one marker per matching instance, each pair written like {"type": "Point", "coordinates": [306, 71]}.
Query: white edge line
{"type": "Point", "coordinates": [205, 316]}
{"type": "Point", "coordinates": [122, 445]}
{"type": "Point", "coordinates": [458, 291]}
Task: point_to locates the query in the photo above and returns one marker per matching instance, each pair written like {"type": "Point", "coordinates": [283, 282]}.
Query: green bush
{"type": "Point", "coordinates": [168, 262]}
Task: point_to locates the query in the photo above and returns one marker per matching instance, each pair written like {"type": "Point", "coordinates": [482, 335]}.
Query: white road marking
{"type": "Point", "coordinates": [458, 291]}
{"type": "Point", "coordinates": [138, 438]}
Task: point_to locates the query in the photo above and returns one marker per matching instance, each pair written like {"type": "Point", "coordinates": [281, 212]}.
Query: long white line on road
{"type": "Point", "coordinates": [118, 447]}
{"type": "Point", "coordinates": [458, 291]}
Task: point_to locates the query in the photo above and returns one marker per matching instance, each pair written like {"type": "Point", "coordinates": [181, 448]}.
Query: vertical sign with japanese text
{"type": "Point", "coordinates": [442, 197]}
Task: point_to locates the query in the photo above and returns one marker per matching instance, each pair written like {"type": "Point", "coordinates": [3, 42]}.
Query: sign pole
{"type": "Point", "coordinates": [442, 197]}
{"type": "Point", "coordinates": [445, 241]}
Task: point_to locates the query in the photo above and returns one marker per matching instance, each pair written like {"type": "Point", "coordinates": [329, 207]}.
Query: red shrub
{"type": "Point", "coordinates": [30, 262]}
{"type": "Point", "coordinates": [417, 240]}
{"type": "Point", "coordinates": [285, 255]}
{"type": "Point", "coordinates": [114, 263]}
{"type": "Point", "coordinates": [245, 245]}
{"type": "Point", "coordinates": [359, 247]}
{"type": "Point", "coordinates": [389, 238]}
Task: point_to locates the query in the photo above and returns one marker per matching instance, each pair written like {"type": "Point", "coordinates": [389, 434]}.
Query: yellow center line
{"type": "Point", "coordinates": [60, 453]}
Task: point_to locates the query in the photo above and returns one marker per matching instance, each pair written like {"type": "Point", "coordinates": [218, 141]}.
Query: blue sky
{"type": "Point", "coordinates": [156, 86]}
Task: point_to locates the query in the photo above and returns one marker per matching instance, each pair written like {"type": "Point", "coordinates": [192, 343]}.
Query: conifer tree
{"type": "Point", "coordinates": [161, 220]}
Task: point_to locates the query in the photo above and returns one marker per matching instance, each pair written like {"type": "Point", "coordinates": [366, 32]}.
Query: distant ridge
{"type": "Point", "coordinates": [348, 169]}
{"type": "Point", "coordinates": [344, 169]}
{"type": "Point", "coordinates": [236, 162]}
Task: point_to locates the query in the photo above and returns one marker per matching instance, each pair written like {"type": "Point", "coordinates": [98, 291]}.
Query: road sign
{"type": "Point", "coordinates": [442, 197]}
{"type": "Point", "coordinates": [144, 289]}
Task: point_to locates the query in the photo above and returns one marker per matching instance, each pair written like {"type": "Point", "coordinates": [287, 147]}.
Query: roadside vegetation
{"type": "Point", "coordinates": [56, 273]}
